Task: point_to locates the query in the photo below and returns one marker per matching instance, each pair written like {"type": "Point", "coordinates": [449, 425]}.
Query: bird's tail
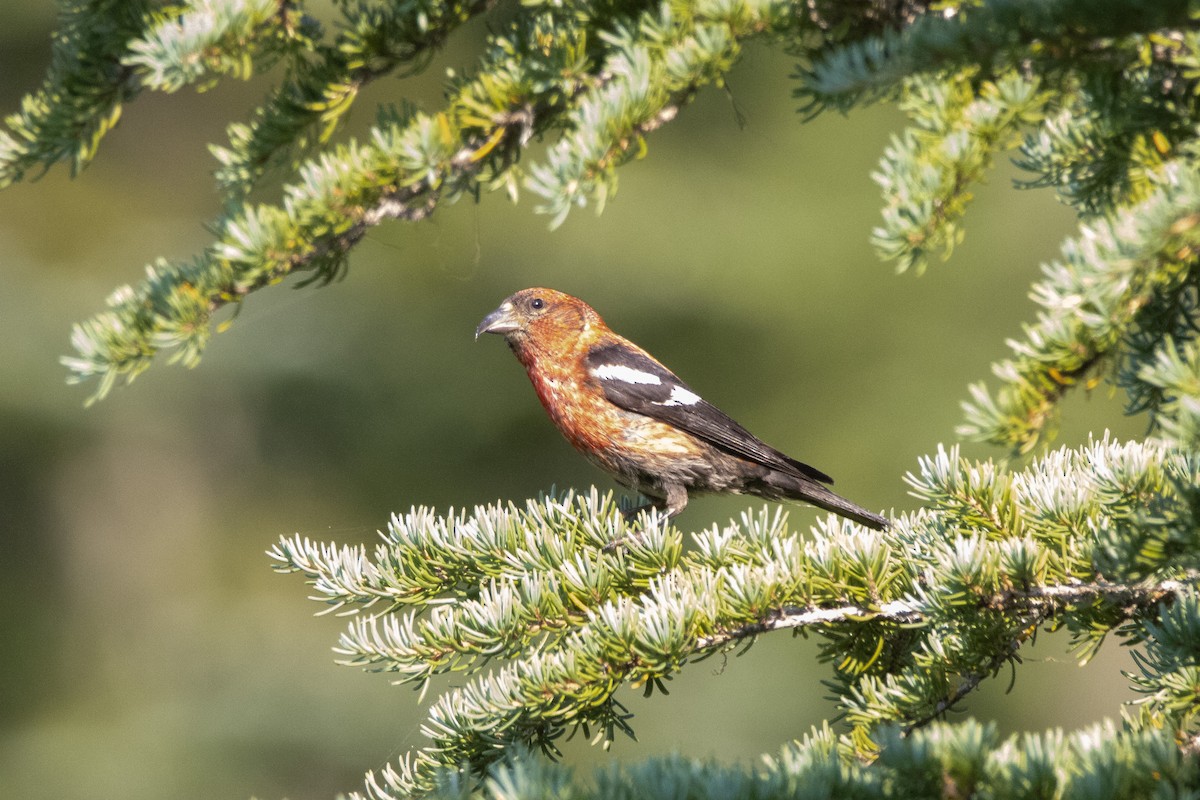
{"type": "Point", "coordinates": [795, 487]}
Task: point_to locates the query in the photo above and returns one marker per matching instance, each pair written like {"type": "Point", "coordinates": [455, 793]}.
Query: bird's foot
{"type": "Point", "coordinates": [656, 512]}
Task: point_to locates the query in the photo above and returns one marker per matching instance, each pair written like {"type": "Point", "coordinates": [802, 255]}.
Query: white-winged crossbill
{"type": "Point", "coordinates": [632, 417]}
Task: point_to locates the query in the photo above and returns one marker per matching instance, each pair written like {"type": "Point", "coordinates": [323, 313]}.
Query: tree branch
{"type": "Point", "coordinates": [1041, 601]}
{"type": "Point", "coordinates": [1033, 606]}
{"type": "Point", "coordinates": [900, 612]}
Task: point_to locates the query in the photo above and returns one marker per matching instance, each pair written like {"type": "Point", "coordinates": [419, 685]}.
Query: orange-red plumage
{"type": "Point", "coordinates": [634, 418]}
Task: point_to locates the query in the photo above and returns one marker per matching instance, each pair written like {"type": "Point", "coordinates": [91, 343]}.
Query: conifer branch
{"type": "Point", "coordinates": [1050, 34]}
{"type": "Point", "coordinates": [418, 161]}
{"type": "Point", "coordinates": [175, 305]}
{"type": "Point", "coordinates": [944, 761]}
{"type": "Point", "coordinates": [1038, 602]}
{"type": "Point", "coordinates": [82, 95]}
{"type": "Point", "coordinates": [959, 126]}
{"type": "Point", "coordinates": [550, 620]}
{"type": "Point", "coordinates": [318, 92]}
{"type": "Point", "coordinates": [608, 78]}
{"type": "Point", "coordinates": [898, 612]}
{"type": "Point", "coordinates": [193, 44]}
{"type": "Point", "coordinates": [1093, 302]}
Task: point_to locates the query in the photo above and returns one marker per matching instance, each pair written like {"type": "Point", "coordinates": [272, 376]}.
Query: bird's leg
{"type": "Point", "coordinates": [632, 513]}
{"type": "Point", "coordinates": [677, 499]}
{"type": "Point", "coordinates": [672, 504]}
{"type": "Point", "coordinates": [630, 516]}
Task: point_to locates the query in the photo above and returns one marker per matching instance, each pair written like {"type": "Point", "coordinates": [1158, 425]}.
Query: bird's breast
{"type": "Point", "coordinates": [573, 408]}
{"type": "Point", "coordinates": [624, 443]}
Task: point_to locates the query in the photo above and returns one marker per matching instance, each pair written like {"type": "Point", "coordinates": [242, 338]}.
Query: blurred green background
{"type": "Point", "coordinates": [148, 649]}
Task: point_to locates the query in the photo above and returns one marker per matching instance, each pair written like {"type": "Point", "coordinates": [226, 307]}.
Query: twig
{"type": "Point", "coordinates": [1042, 601]}
{"type": "Point", "coordinates": [898, 611]}
{"type": "Point", "coordinates": [1034, 605]}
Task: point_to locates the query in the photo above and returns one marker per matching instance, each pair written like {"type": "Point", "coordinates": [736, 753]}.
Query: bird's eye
{"type": "Point", "coordinates": [537, 304]}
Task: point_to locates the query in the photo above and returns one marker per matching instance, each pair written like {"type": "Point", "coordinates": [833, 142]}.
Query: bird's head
{"type": "Point", "coordinates": [540, 317]}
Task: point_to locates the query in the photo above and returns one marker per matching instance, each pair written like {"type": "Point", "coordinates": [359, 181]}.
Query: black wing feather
{"type": "Point", "coordinates": [699, 418]}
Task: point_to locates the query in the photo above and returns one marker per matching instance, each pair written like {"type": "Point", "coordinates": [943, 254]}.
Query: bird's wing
{"type": "Point", "coordinates": [636, 382]}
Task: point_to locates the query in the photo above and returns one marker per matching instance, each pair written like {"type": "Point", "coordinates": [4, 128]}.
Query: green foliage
{"type": "Point", "coordinates": [1055, 38]}
{"type": "Point", "coordinates": [81, 98]}
{"type": "Point", "coordinates": [604, 81]}
{"type": "Point", "coordinates": [1123, 283]}
{"type": "Point", "coordinates": [549, 609]}
{"type": "Point", "coordinates": [186, 46]}
{"type": "Point", "coordinates": [1067, 82]}
{"type": "Point", "coordinates": [554, 606]}
{"type": "Point", "coordinates": [944, 761]}
{"type": "Point", "coordinates": [925, 174]}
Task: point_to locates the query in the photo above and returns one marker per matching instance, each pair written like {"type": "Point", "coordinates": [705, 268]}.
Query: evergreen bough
{"type": "Point", "coordinates": [549, 606]}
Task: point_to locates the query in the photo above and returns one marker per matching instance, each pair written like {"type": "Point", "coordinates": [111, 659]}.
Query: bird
{"type": "Point", "coordinates": [635, 419]}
